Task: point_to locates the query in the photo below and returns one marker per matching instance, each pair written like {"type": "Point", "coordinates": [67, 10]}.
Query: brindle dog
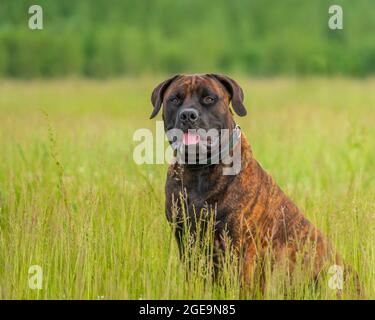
{"type": "Point", "coordinates": [250, 209]}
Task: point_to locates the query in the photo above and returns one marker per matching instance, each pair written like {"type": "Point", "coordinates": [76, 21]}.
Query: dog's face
{"type": "Point", "coordinates": [198, 102]}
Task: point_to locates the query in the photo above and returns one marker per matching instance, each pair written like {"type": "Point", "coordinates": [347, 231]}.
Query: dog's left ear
{"type": "Point", "coordinates": [158, 94]}
{"type": "Point", "coordinates": [235, 91]}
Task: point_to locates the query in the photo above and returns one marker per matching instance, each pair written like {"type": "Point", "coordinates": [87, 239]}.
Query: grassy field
{"type": "Point", "coordinates": [73, 201]}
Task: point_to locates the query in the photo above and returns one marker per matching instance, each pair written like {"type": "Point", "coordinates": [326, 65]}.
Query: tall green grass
{"type": "Point", "coordinates": [73, 201]}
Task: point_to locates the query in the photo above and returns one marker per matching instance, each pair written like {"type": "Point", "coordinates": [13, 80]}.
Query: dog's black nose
{"type": "Point", "coordinates": [188, 115]}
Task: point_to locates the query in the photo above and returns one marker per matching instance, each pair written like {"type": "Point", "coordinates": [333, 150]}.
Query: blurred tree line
{"type": "Point", "coordinates": [103, 38]}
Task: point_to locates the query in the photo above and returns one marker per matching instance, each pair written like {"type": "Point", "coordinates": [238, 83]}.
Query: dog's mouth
{"type": "Point", "coordinates": [195, 143]}
{"type": "Point", "coordinates": [198, 146]}
{"type": "Point", "coordinates": [189, 138]}
{"type": "Point", "coordinates": [195, 138]}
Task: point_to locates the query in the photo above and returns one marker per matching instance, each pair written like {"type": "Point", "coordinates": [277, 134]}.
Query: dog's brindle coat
{"type": "Point", "coordinates": [250, 208]}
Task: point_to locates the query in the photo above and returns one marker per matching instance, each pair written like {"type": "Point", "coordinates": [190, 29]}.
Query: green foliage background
{"type": "Point", "coordinates": [104, 38]}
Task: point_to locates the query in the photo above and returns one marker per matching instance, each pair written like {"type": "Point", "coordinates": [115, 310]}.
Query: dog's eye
{"type": "Point", "coordinates": [176, 101]}
{"type": "Point", "coordinates": [208, 100]}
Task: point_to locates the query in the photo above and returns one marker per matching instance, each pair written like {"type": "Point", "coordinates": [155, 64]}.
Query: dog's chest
{"type": "Point", "coordinates": [195, 195]}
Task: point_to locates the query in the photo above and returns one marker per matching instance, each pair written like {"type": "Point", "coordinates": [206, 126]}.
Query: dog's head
{"type": "Point", "coordinates": [198, 102]}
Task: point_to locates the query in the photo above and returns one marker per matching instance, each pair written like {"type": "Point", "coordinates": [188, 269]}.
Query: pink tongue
{"type": "Point", "coordinates": [190, 138]}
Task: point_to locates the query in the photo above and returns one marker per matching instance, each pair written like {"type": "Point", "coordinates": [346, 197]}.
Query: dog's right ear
{"type": "Point", "coordinates": [158, 94]}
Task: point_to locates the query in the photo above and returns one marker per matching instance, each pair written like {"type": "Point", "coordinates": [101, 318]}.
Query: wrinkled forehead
{"type": "Point", "coordinates": [199, 84]}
